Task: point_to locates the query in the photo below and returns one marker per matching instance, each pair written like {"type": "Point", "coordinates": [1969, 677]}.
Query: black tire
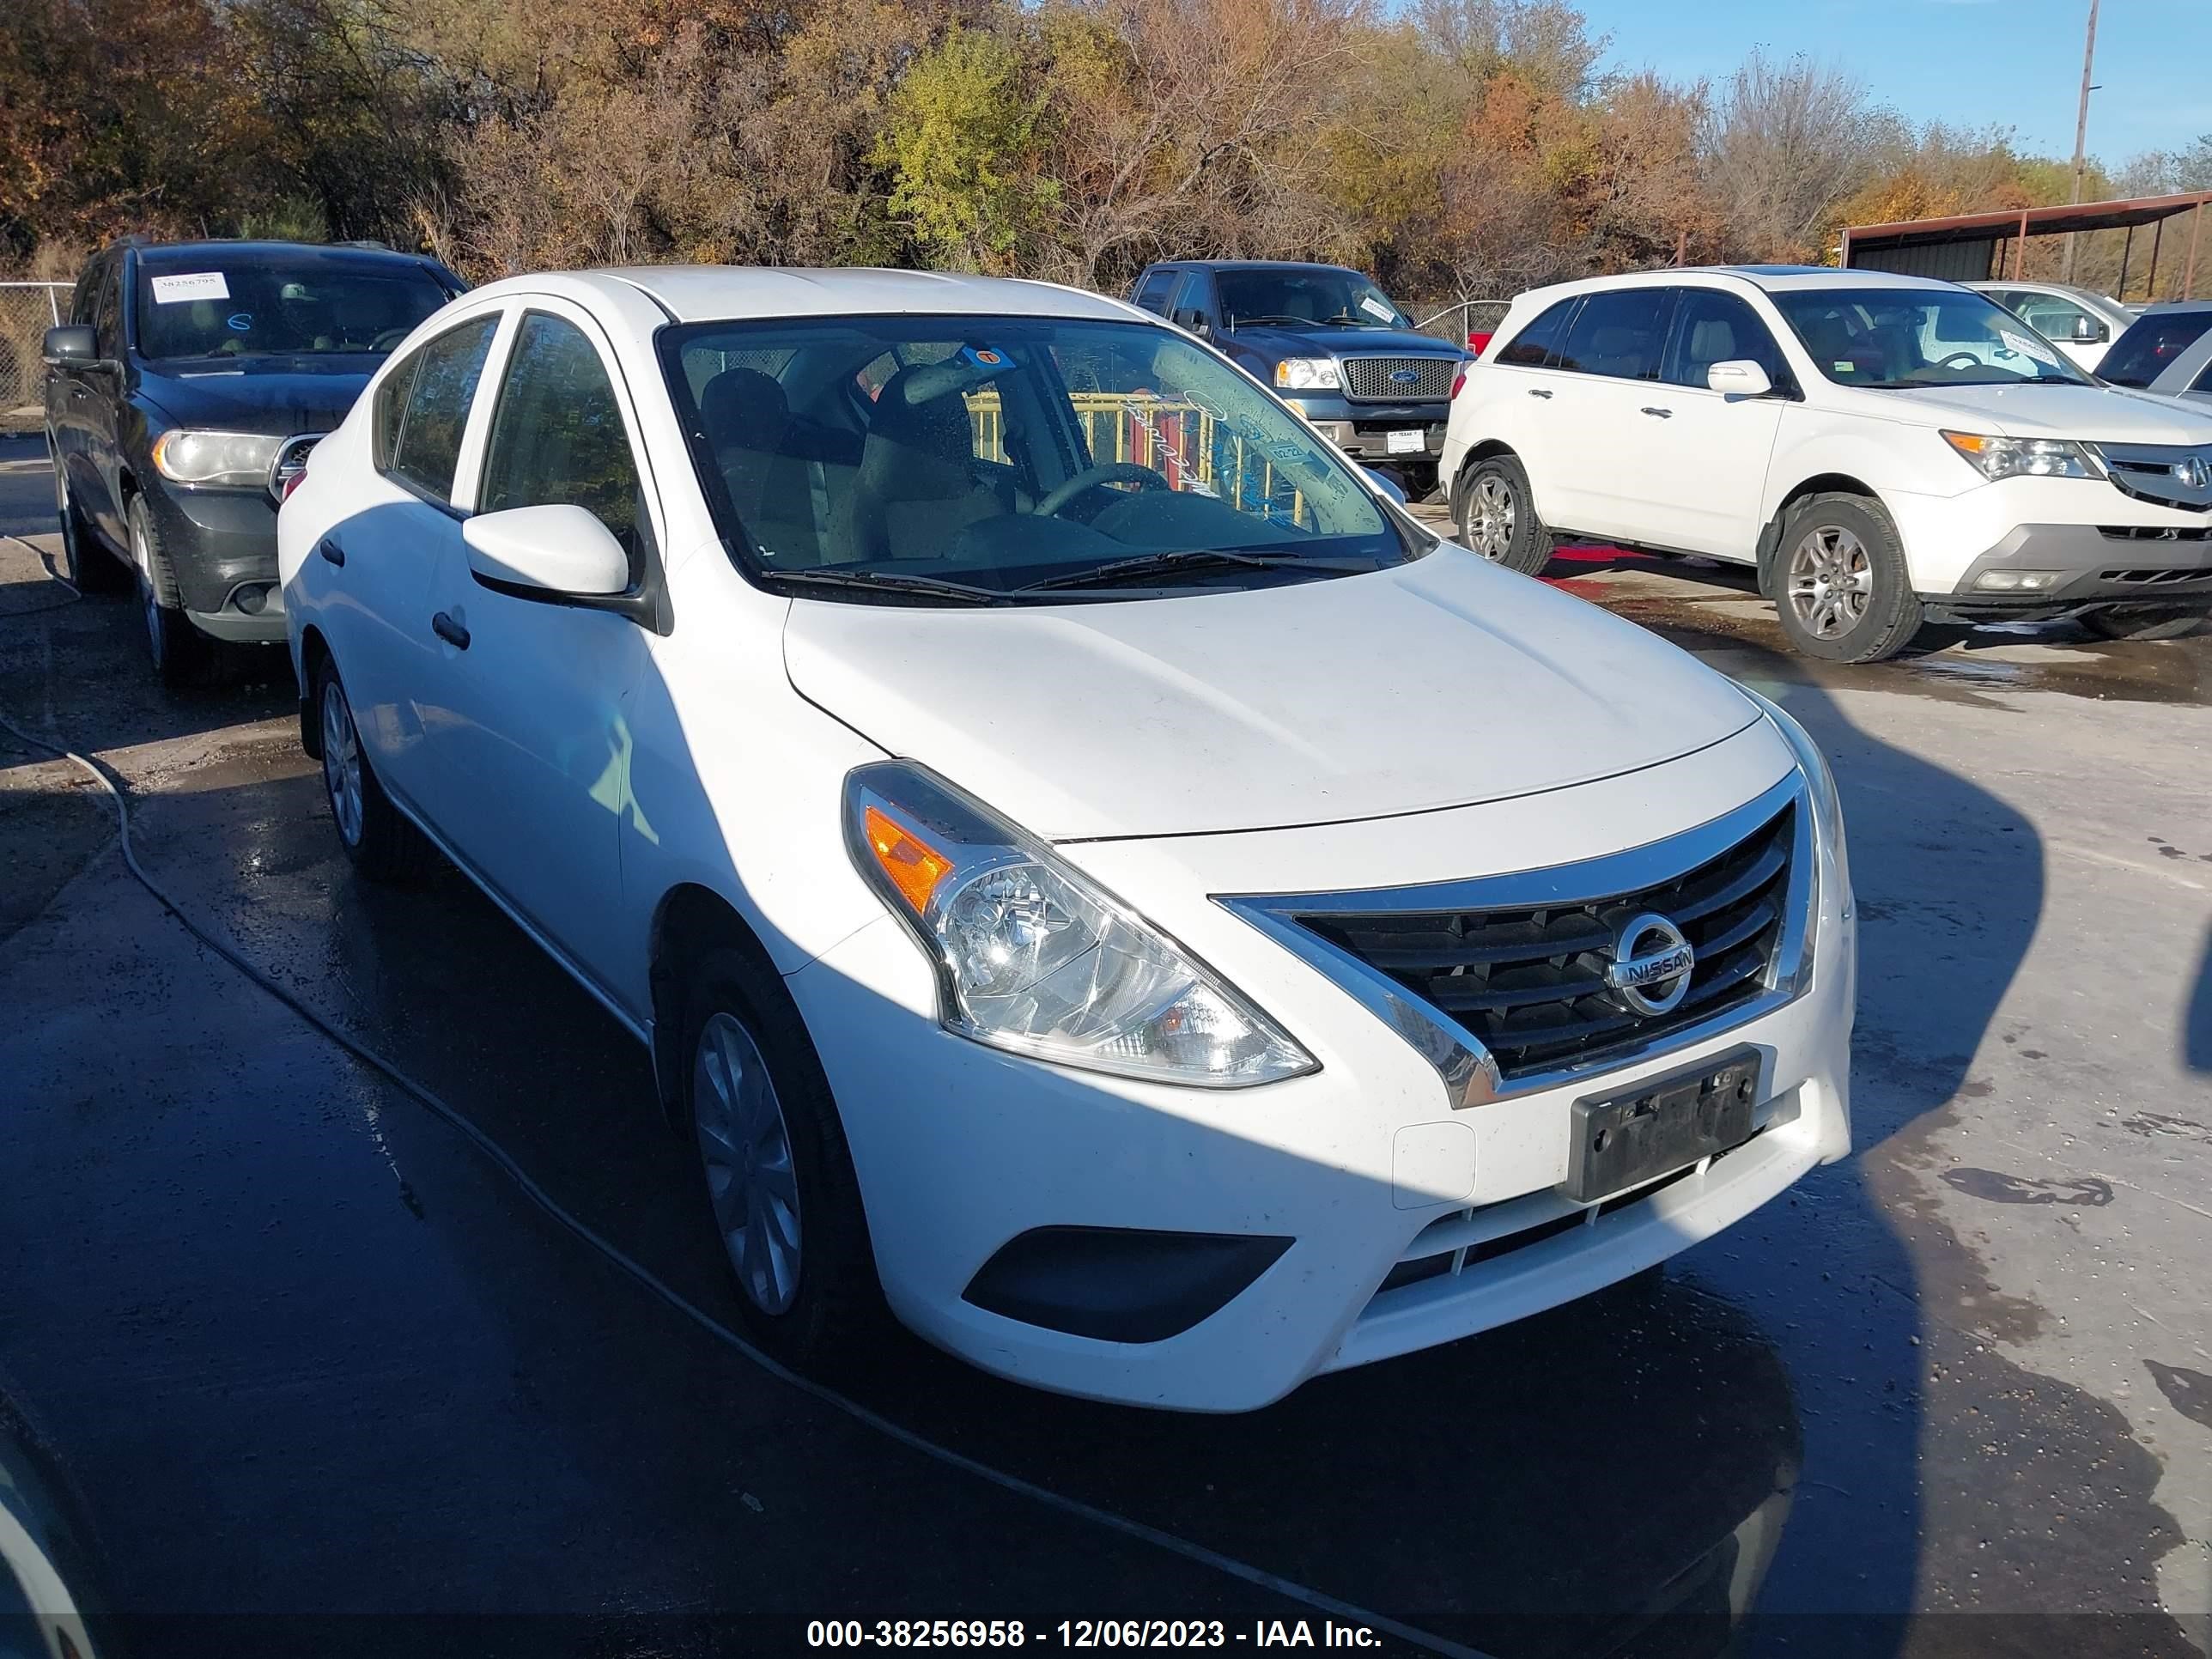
{"type": "Point", "coordinates": [181, 654]}
{"type": "Point", "coordinates": [835, 1306]}
{"type": "Point", "coordinates": [1840, 581]}
{"type": "Point", "coordinates": [2144, 622]}
{"type": "Point", "coordinates": [1496, 516]}
{"type": "Point", "coordinates": [87, 567]}
{"type": "Point", "coordinates": [379, 840]}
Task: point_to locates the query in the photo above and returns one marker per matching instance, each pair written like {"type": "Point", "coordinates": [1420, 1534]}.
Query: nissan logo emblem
{"type": "Point", "coordinates": [1650, 972]}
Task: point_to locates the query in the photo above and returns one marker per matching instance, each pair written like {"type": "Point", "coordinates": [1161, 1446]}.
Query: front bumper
{"type": "Point", "coordinates": [1364, 1164]}
{"type": "Point", "coordinates": [2106, 546]}
{"type": "Point", "coordinates": [219, 542]}
{"type": "Point", "coordinates": [1362, 430]}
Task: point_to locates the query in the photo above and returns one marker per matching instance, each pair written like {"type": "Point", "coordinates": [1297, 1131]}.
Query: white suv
{"type": "Point", "coordinates": [1033, 797]}
{"type": "Point", "coordinates": [1884, 448]}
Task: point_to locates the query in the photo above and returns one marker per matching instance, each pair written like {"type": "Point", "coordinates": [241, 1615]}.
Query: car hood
{"type": "Point", "coordinates": [1442, 683]}
{"type": "Point", "coordinates": [2094, 413]}
{"type": "Point", "coordinates": [1278, 342]}
{"type": "Point", "coordinates": [276, 395]}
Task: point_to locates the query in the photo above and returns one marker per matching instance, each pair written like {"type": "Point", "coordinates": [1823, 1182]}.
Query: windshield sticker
{"type": "Point", "coordinates": [1844, 368]}
{"type": "Point", "coordinates": [200, 285]}
{"type": "Point", "coordinates": [238, 322]}
{"type": "Point", "coordinates": [987, 357]}
{"type": "Point", "coordinates": [2035, 349]}
{"type": "Point", "coordinates": [1374, 307]}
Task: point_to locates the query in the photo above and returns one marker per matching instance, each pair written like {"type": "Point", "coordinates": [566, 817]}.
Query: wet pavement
{"type": "Point", "coordinates": [300, 1350]}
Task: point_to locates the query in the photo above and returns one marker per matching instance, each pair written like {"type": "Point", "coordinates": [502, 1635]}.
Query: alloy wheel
{"type": "Point", "coordinates": [1490, 515]}
{"type": "Point", "coordinates": [751, 1176]}
{"type": "Point", "coordinates": [1831, 582]}
{"type": "Point", "coordinates": [342, 763]}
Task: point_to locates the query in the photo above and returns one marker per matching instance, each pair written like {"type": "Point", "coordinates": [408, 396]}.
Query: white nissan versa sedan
{"type": "Point", "coordinates": [1882, 448]}
{"type": "Point", "coordinates": [1090, 872]}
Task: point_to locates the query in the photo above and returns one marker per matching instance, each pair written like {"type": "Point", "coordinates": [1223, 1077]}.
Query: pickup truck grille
{"type": "Point", "coordinates": [1370, 378]}
{"type": "Point", "coordinates": [1530, 981]}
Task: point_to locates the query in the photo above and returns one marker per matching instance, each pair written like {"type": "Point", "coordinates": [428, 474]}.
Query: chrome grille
{"type": "Point", "coordinates": [1370, 378]}
{"type": "Point", "coordinates": [1529, 981]}
{"type": "Point", "coordinates": [2171, 474]}
{"type": "Point", "coordinates": [291, 461]}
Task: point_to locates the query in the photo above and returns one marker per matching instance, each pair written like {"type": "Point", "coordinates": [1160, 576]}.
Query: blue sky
{"type": "Point", "coordinates": [1972, 63]}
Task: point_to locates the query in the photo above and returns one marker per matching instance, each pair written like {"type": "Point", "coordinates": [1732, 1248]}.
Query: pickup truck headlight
{"type": "Point", "coordinates": [1032, 957]}
{"type": "Point", "coordinates": [1309, 375]}
{"type": "Point", "coordinates": [2024, 458]}
{"type": "Point", "coordinates": [227, 460]}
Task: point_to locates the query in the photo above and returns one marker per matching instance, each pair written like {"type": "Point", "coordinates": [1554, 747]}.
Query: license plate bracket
{"type": "Point", "coordinates": [1667, 1124]}
{"type": "Point", "coordinates": [1405, 443]}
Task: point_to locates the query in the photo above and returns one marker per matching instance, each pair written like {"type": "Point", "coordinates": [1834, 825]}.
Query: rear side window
{"type": "Point", "coordinates": [1533, 345]}
{"type": "Point", "coordinates": [557, 436]}
{"type": "Point", "coordinates": [1152, 293]}
{"type": "Point", "coordinates": [107, 312]}
{"type": "Point", "coordinates": [1712, 327]}
{"type": "Point", "coordinates": [2140, 355]}
{"type": "Point", "coordinates": [1620, 332]}
{"type": "Point", "coordinates": [427, 447]}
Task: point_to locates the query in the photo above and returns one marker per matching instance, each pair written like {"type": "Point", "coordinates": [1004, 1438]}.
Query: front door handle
{"type": "Point", "coordinates": [1664, 414]}
{"type": "Point", "coordinates": [331, 550]}
{"type": "Point", "coordinates": [450, 631]}
{"type": "Point", "coordinates": [1538, 392]}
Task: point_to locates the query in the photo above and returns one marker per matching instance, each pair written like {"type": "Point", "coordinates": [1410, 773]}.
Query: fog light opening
{"type": "Point", "coordinates": [252, 599]}
{"type": "Point", "coordinates": [2017, 582]}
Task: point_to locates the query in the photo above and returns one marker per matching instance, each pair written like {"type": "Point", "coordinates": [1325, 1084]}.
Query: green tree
{"type": "Point", "coordinates": [964, 142]}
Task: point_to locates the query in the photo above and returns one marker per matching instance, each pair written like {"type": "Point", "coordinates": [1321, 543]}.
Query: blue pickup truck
{"type": "Point", "coordinates": [1329, 342]}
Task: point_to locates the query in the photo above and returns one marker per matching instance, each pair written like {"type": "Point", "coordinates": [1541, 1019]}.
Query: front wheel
{"type": "Point", "coordinates": [1844, 594]}
{"type": "Point", "coordinates": [181, 655]}
{"type": "Point", "coordinates": [381, 843]}
{"type": "Point", "coordinates": [2144, 622]}
{"type": "Point", "coordinates": [780, 1183]}
{"type": "Point", "coordinates": [1496, 516]}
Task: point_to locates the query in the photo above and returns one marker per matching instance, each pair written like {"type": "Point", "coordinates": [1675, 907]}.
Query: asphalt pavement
{"type": "Point", "coordinates": [319, 1372]}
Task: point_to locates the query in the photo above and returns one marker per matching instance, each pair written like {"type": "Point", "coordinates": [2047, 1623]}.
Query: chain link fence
{"type": "Point", "coordinates": [27, 310]}
{"type": "Point", "coordinates": [1454, 320]}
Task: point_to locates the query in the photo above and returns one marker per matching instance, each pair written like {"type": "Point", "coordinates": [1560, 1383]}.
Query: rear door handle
{"type": "Point", "coordinates": [331, 550]}
{"type": "Point", "coordinates": [1664, 414]}
{"type": "Point", "coordinates": [1538, 392]}
{"type": "Point", "coordinates": [450, 631]}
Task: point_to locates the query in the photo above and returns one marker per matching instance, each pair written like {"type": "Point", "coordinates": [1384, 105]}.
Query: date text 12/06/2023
{"type": "Point", "coordinates": [1079, 1633]}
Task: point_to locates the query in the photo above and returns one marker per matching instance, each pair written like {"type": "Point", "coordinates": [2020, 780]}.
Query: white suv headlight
{"type": "Point", "coordinates": [1033, 956]}
{"type": "Point", "coordinates": [1309, 375]}
{"type": "Point", "coordinates": [2024, 458]}
{"type": "Point", "coordinates": [229, 461]}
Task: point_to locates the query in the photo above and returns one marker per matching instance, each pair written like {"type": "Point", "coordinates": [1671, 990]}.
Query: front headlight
{"type": "Point", "coordinates": [1309, 375]}
{"type": "Point", "coordinates": [1820, 786]}
{"type": "Point", "coordinates": [1033, 956]}
{"type": "Point", "coordinates": [2024, 458]}
{"type": "Point", "coordinates": [228, 460]}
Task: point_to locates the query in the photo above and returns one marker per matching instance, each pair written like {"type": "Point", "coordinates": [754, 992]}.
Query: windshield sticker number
{"type": "Point", "coordinates": [1374, 307]}
{"type": "Point", "coordinates": [2035, 349]}
{"type": "Point", "coordinates": [200, 285]}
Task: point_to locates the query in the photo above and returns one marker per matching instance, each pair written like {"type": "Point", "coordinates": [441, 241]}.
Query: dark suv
{"type": "Point", "coordinates": [1330, 343]}
{"type": "Point", "coordinates": [186, 387]}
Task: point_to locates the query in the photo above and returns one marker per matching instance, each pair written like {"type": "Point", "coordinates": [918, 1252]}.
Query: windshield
{"type": "Point", "coordinates": [880, 457]}
{"type": "Point", "coordinates": [261, 307]}
{"type": "Point", "coordinates": [1900, 336]}
{"type": "Point", "coordinates": [1308, 297]}
{"type": "Point", "coordinates": [2144, 352]}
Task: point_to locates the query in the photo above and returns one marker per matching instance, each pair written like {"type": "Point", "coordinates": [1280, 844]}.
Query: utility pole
{"type": "Point", "coordinates": [2082, 127]}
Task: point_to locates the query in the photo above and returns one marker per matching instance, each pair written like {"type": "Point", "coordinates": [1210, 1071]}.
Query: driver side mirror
{"type": "Point", "coordinates": [550, 553]}
{"type": "Point", "coordinates": [73, 345]}
{"type": "Point", "coordinates": [1739, 377]}
{"type": "Point", "coordinates": [2087, 330]}
{"type": "Point", "coordinates": [1193, 320]}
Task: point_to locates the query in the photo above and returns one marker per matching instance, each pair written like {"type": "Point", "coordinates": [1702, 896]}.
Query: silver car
{"type": "Point", "coordinates": [2168, 351]}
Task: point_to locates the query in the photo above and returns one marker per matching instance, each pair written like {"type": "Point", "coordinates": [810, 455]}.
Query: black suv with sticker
{"type": "Point", "coordinates": [182, 395]}
{"type": "Point", "coordinates": [1331, 344]}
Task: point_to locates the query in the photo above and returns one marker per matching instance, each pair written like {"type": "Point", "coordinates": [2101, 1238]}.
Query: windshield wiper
{"type": "Point", "coordinates": [1296, 322]}
{"type": "Point", "coordinates": [1189, 558]}
{"type": "Point", "coordinates": [884, 581]}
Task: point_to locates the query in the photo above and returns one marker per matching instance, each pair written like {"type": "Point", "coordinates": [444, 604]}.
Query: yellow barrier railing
{"type": "Point", "coordinates": [1192, 448]}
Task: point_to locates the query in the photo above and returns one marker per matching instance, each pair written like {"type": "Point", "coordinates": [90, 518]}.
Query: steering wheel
{"type": "Point", "coordinates": [1961, 359]}
{"type": "Point", "coordinates": [389, 338]}
{"type": "Point", "coordinates": [1091, 477]}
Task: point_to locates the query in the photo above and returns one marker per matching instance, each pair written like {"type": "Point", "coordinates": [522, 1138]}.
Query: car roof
{"type": "Point", "coordinates": [165, 255]}
{"type": "Point", "coordinates": [2168, 308]}
{"type": "Point", "coordinates": [1772, 278]}
{"type": "Point", "coordinates": [1251, 264]}
{"type": "Point", "coordinates": [714, 293]}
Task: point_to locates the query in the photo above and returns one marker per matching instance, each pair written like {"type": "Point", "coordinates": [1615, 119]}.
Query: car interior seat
{"type": "Point", "coordinates": [917, 486]}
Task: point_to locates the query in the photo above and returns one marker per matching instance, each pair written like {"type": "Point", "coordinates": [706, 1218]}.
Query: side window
{"type": "Point", "coordinates": [390, 404]}
{"type": "Point", "coordinates": [1196, 295]}
{"type": "Point", "coordinates": [1533, 345]}
{"type": "Point", "coordinates": [87, 289]}
{"type": "Point", "coordinates": [428, 446]}
{"type": "Point", "coordinates": [2053, 317]}
{"type": "Point", "coordinates": [107, 312]}
{"type": "Point", "coordinates": [1620, 332]}
{"type": "Point", "coordinates": [557, 435]}
{"type": "Point", "coordinates": [2204, 380]}
{"type": "Point", "coordinates": [1152, 293]}
{"type": "Point", "coordinates": [1712, 327]}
